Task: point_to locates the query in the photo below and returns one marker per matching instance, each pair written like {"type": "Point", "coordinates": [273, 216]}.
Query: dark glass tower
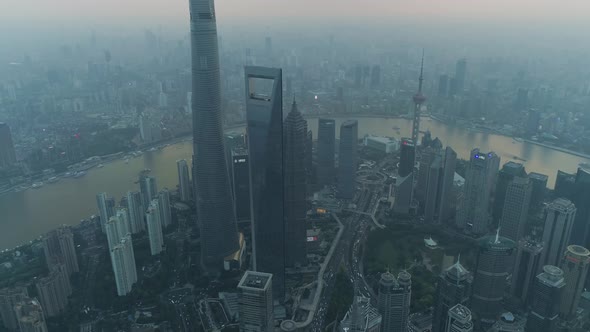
{"type": "Point", "coordinates": [545, 299]}
{"type": "Point", "coordinates": [581, 227]}
{"type": "Point", "coordinates": [264, 112]}
{"type": "Point", "coordinates": [509, 171]}
{"type": "Point", "coordinates": [326, 149]}
{"type": "Point", "coordinates": [406, 158]}
{"type": "Point", "coordinates": [241, 182]}
{"type": "Point", "coordinates": [347, 159]}
{"type": "Point", "coordinates": [295, 187]}
{"type": "Point", "coordinates": [454, 287]}
{"type": "Point", "coordinates": [215, 209]}
{"type": "Point", "coordinates": [492, 268]}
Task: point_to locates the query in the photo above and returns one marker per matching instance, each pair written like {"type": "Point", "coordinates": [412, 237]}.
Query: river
{"type": "Point", "coordinates": [27, 214]}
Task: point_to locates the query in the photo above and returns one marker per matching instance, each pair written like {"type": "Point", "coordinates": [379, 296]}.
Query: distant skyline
{"type": "Point", "coordinates": [548, 11]}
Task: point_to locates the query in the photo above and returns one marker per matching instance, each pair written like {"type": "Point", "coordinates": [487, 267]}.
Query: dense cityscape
{"type": "Point", "coordinates": [207, 182]}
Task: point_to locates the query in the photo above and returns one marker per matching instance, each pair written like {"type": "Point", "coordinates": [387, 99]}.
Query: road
{"type": "Point", "coordinates": [355, 228]}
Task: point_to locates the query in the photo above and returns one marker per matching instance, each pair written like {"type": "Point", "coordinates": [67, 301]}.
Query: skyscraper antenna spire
{"type": "Point", "coordinates": [421, 78]}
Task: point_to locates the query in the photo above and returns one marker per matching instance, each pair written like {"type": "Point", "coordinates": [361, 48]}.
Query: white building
{"type": "Point", "coordinates": [383, 144]}
{"type": "Point", "coordinates": [123, 261]}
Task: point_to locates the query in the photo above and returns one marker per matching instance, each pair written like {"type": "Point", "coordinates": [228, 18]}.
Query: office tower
{"type": "Point", "coordinates": [509, 171]}
{"type": "Point", "coordinates": [154, 226]}
{"type": "Point", "coordinates": [7, 155]}
{"type": "Point", "coordinates": [545, 299]}
{"type": "Point", "coordinates": [256, 302]}
{"type": "Point", "coordinates": [53, 290]}
{"type": "Point", "coordinates": [347, 159]}
{"type": "Point", "coordinates": [460, 74]}
{"type": "Point", "coordinates": [446, 190]}
{"type": "Point", "coordinates": [532, 122]}
{"type": "Point", "coordinates": [136, 223]}
{"type": "Point", "coordinates": [564, 184]}
{"type": "Point", "coordinates": [443, 85]}
{"type": "Point", "coordinates": [375, 76]}
{"type": "Point", "coordinates": [164, 208]}
{"type": "Point", "coordinates": [559, 218]}
{"type": "Point", "coordinates": [403, 189]}
{"type": "Point", "coordinates": [418, 100]}
{"type": "Point", "coordinates": [361, 317]}
{"type": "Point", "coordinates": [407, 157]}
{"type": "Point", "coordinates": [480, 179]}
{"type": "Point", "coordinates": [184, 181]}
{"type": "Point", "coordinates": [309, 157]}
{"type": "Point", "coordinates": [575, 268]}
{"type": "Point", "coordinates": [427, 157]}
{"type": "Point", "coordinates": [123, 262]}
{"type": "Point", "coordinates": [581, 197]}
{"type": "Point", "coordinates": [508, 322]}
{"type": "Point", "coordinates": [526, 267]}
{"type": "Point", "coordinates": [539, 191]}
{"type": "Point", "coordinates": [458, 319]}
{"type": "Point", "coordinates": [432, 199]}
{"type": "Point", "coordinates": [295, 188]}
{"type": "Point", "coordinates": [491, 270]}
{"type": "Point", "coordinates": [30, 316]}
{"type": "Point", "coordinates": [105, 209]}
{"type": "Point", "coordinates": [58, 246]}
{"type": "Point", "coordinates": [241, 182]}
{"type": "Point", "coordinates": [215, 207]}
{"type": "Point", "coordinates": [117, 228]}
{"type": "Point", "coordinates": [394, 301]}
{"type": "Point", "coordinates": [232, 141]}
{"type": "Point", "coordinates": [453, 288]}
{"type": "Point", "coordinates": [9, 297]}
{"type": "Point", "coordinates": [325, 151]}
{"type": "Point", "coordinates": [264, 114]}
{"type": "Point", "coordinates": [148, 188]}
{"type": "Point", "coordinates": [516, 208]}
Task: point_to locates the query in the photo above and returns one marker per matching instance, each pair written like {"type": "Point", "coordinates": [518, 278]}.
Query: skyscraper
{"type": "Point", "coordinates": [30, 316]}
{"type": "Point", "coordinates": [215, 208]}
{"type": "Point", "coordinates": [184, 182]}
{"type": "Point", "coordinates": [575, 268]}
{"type": "Point", "coordinates": [407, 157]}
{"type": "Point", "coordinates": [394, 301]}
{"type": "Point", "coordinates": [527, 265]}
{"type": "Point", "coordinates": [458, 319]}
{"type": "Point", "coordinates": [295, 187]}
{"type": "Point", "coordinates": [443, 85]}
{"type": "Point", "coordinates": [53, 290]}
{"type": "Point", "coordinates": [404, 187]}
{"type": "Point", "coordinates": [9, 297]}
{"type": "Point", "coordinates": [309, 158]}
{"type": "Point", "coordinates": [325, 151]}
{"type": "Point", "coordinates": [545, 299]}
{"type": "Point", "coordinates": [460, 74]}
{"type": "Point", "coordinates": [123, 262]}
{"type": "Point", "coordinates": [427, 157]}
{"type": "Point", "coordinates": [509, 171]}
{"type": "Point", "coordinates": [361, 317]}
{"type": "Point", "coordinates": [347, 159]}
{"type": "Point", "coordinates": [480, 179]}
{"type": "Point", "coordinates": [516, 208]}
{"type": "Point", "coordinates": [148, 188]}
{"type": "Point", "coordinates": [59, 248]}
{"type": "Point", "coordinates": [241, 182]}
{"type": "Point", "coordinates": [418, 99]}
{"type": "Point", "coordinates": [453, 288]}
{"type": "Point", "coordinates": [264, 112]}
{"type": "Point", "coordinates": [491, 270]}
{"type": "Point", "coordinates": [432, 199]}
{"type": "Point", "coordinates": [256, 302]}
{"type": "Point", "coordinates": [539, 182]}
{"type": "Point", "coordinates": [154, 226]}
{"type": "Point", "coordinates": [559, 218]}
{"type": "Point", "coordinates": [7, 155]}
{"type": "Point", "coordinates": [164, 208]}
{"type": "Point", "coordinates": [446, 194]}
{"type": "Point", "coordinates": [136, 212]}
{"type": "Point", "coordinates": [581, 197]}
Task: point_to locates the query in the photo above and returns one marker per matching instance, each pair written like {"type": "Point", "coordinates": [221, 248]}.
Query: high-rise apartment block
{"type": "Point", "coordinates": [154, 226]}
{"type": "Point", "coordinates": [184, 182]}
{"type": "Point", "coordinates": [136, 212]}
{"type": "Point", "coordinates": [30, 316]}
{"type": "Point", "coordinates": [256, 302]}
{"type": "Point", "coordinates": [9, 297]}
{"type": "Point", "coordinates": [164, 208]}
{"type": "Point", "coordinates": [123, 262]}
{"type": "Point", "coordinates": [59, 248]}
{"type": "Point", "coordinates": [53, 290]}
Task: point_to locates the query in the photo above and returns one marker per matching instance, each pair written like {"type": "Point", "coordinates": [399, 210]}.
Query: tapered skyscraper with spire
{"type": "Point", "coordinates": [215, 211]}
{"type": "Point", "coordinates": [418, 99]}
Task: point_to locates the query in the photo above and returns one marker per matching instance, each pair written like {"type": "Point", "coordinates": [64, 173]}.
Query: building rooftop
{"type": "Point", "coordinates": [578, 250]}
{"type": "Point", "coordinates": [255, 280]}
{"type": "Point", "coordinates": [461, 312]}
{"type": "Point", "coordinates": [538, 176]}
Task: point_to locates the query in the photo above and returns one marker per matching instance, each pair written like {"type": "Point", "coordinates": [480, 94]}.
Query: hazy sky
{"type": "Point", "coordinates": [165, 10]}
